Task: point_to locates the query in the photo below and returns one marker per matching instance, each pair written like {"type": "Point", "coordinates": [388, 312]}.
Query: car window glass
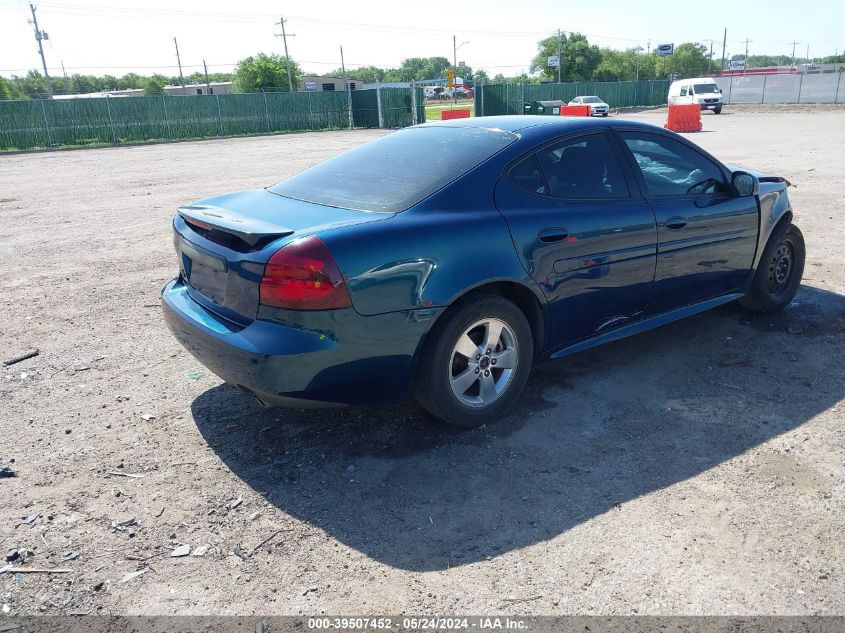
{"type": "Point", "coordinates": [396, 171]}
{"type": "Point", "coordinates": [527, 175]}
{"type": "Point", "coordinates": [583, 167]}
{"type": "Point", "coordinates": [670, 168]}
{"type": "Point", "coordinates": [684, 91]}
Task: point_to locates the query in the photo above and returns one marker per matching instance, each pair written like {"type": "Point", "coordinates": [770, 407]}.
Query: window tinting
{"type": "Point", "coordinates": [527, 175]}
{"type": "Point", "coordinates": [395, 171]}
{"type": "Point", "coordinates": [583, 167]}
{"type": "Point", "coordinates": [670, 168]}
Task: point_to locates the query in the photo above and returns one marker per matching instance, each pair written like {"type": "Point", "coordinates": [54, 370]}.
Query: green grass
{"type": "Point", "coordinates": [433, 110]}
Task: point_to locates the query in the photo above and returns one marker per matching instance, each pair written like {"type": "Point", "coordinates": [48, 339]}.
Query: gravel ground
{"type": "Point", "coordinates": [695, 469]}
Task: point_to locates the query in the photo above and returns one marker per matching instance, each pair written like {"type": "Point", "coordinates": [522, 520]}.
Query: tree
{"type": "Point", "coordinates": [624, 65]}
{"type": "Point", "coordinates": [365, 74]}
{"type": "Point", "coordinates": [688, 60]}
{"type": "Point", "coordinates": [10, 90]}
{"type": "Point", "coordinates": [579, 58]}
{"type": "Point", "coordinates": [481, 76]}
{"type": "Point", "coordinates": [419, 68]}
{"type": "Point", "coordinates": [154, 86]}
{"type": "Point", "coordinates": [265, 72]}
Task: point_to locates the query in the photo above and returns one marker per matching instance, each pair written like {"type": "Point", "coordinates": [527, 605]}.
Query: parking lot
{"type": "Point", "coordinates": [695, 469]}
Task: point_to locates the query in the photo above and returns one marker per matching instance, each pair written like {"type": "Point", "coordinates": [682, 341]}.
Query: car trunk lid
{"type": "Point", "coordinates": [223, 244]}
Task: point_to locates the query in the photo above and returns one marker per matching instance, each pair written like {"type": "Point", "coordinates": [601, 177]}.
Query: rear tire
{"type": "Point", "coordinates": [475, 361]}
{"type": "Point", "coordinates": [779, 272]}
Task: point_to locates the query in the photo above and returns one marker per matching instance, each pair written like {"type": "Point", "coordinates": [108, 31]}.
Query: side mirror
{"type": "Point", "coordinates": [745, 184]}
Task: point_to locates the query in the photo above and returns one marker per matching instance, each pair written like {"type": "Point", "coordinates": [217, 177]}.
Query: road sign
{"type": "Point", "coordinates": [554, 61]}
{"type": "Point", "coordinates": [450, 76]}
{"type": "Point", "coordinates": [664, 50]}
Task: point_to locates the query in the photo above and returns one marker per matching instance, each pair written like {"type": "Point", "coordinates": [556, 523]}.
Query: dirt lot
{"type": "Point", "coordinates": [698, 468]}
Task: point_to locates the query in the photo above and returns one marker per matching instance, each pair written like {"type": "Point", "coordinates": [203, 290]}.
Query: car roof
{"type": "Point", "coordinates": [552, 125]}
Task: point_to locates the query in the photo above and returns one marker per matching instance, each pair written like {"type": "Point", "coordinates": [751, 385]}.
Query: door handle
{"type": "Point", "coordinates": [676, 223]}
{"type": "Point", "coordinates": [552, 235]}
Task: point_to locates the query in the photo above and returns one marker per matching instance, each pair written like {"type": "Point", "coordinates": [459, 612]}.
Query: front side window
{"type": "Point", "coordinates": [583, 167]}
{"type": "Point", "coordinates": [671, 168]}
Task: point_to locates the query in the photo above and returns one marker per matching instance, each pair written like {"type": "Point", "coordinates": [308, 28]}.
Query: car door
{"type": "Point", "coordinates": [583, 233]}
{"type": "Point", "coordinates": [706, 235]}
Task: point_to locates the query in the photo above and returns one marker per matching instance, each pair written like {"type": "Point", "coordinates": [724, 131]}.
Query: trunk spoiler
{"type": "Point", "coordinates": [250, 230]}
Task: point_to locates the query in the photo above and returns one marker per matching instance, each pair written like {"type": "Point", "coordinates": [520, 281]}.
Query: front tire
{"type": "Point", "coordinates": [475, 361]}
{"type": "Point", "coordinates": [779, 272]}
{"type": "Point", "coordinates": [717, 110]}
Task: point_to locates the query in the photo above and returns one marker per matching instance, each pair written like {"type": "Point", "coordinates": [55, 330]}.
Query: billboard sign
{"type": "Point", "coordinates": [554, 61]}
{"type": "Point", "coordinates": [737, 64]}
{"type": "Point", "coordinates": [664, 50]}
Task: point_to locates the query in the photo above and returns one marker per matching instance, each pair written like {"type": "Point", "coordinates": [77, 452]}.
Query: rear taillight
{"type": "Point", "coordinates": [303, 276]}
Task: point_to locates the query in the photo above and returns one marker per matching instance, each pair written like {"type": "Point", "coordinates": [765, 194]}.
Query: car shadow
{"type": "Point", "coordinates": [593, 431]}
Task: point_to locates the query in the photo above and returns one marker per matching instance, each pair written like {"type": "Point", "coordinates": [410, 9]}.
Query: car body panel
{"type": "Point", "coordinates": [327, 356]}
{"type": "Point", "coordinates": [403, 270]}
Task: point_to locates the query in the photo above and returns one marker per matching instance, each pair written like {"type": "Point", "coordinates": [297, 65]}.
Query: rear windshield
{"type": "Point", "coordinates": [396, 171]}
{"type": "Point", "coordinates": [706, 88]}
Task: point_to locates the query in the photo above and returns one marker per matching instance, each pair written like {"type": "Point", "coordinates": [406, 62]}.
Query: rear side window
{"type": "Point", "coordinates": [583, 167]}
{"type": "Point", "coordinates": [396, 171]}
{"type": "Point", "coordinates": [671, 168]}
{"type": "Point", "coordinates": [684, 91]}
{"type": "Point", "coordinates": [527, 175]}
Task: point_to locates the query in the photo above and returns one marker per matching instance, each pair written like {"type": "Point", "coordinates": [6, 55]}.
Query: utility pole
{"type": "Point", "coordinates": [179, 61]}
{"type": "Point", "coordinates": [39, 36]}
{"type": "Point", "coordinates": [558, 56]}
{"type": "Point", "coordinates": [454, 67]}
{"type": "Point", "coordinates": [807, 60]}
{"type": "Point", "coordinates": [348, 91]}
{"type": "Point", "coordinates": [710, 57]}
{"type": "Point", "coordinates": [285, 37]}
{"type": "Point", "coordinates": [793, 53]}
{"type": "Point", "coordinates": [67, 85]}
{"type": "Point", "coordinates": [207, 83]}
{"type": "Point", "coordinates": [724, 43]}
{"type": "Point", "coordinates": [746, 55]}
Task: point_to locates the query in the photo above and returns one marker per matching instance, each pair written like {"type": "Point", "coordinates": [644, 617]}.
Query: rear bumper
{"type": "Point", "coordinates": [324, 358]}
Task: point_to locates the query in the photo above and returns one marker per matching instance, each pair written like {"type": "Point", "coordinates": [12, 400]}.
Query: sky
{"type": "Point", "coordinates": [118, 36]}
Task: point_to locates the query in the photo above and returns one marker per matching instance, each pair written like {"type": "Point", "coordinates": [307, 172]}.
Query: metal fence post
{"type": "Point", "coordinates": [522, 87]}
{"type": "Point", "coordinates": [482, 98]}
{"type": "Point", "coordinates": [166, 118]}
{"type": "Point", "coordinates": [378, 104]}
{"type": "Point", "coordinates": [219, 116]}
{"type": "Point", "coordinates": [763, 98]}
{"type": "Point", "coordinates": [730, 89]}
{"type": "Point", "coordinates": [838, 81]}
{"type": "Point", "coordinates": [800, 85]}
{"type": "Point", "coordinates": [310, 112]}
{"type": "Point", "coordinates": [46, 124]}
{"type": "Point", "coordinates": [111, 123]}
{"type": "Point", "coordinates": [266, 111]}
{"type": "Point", "coordinates": [349, 105]}
{"type": "Point", "coordinates": [414, 117]}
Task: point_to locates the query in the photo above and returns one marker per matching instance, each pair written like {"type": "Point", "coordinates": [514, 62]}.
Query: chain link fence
{"type": "Point", "coordinates": [803, 88]}
{"type": "Point", "coordinates": [42, 123]}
